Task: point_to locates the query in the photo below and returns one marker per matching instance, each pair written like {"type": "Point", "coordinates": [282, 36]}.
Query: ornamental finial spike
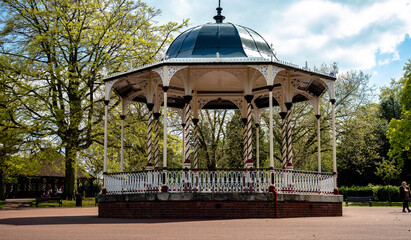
{"type": "Point", "coordinates": [219, 18]}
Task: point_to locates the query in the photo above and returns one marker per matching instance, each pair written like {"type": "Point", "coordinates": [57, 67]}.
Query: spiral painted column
{"type": "Point", "coordinates": [244, 120]}
{"type": "Point", "coordinates": [318, 142]}
{"type": "Point", "coordinates": [249, 162]}
{"type": "Point", "coordinates": [187, 162]}
{"type": "Point", "coordinates": [284, 152]}
{"type": "Point", "coordinates": [156, 138]}
{"type": "Point", "coordinates": [195, 134]}
{"type": "Point", "coordinates": [289, 138]}
{"type": "Point", "coordinates": [149, 165]}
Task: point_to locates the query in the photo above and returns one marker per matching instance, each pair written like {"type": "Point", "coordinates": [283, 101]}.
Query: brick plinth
{"type": "Point", "coordinates": [187, 210]}
{"type": "Point", "coordinates": [201, 205]}
{"type": "Point", "coordinates": [308, 209]}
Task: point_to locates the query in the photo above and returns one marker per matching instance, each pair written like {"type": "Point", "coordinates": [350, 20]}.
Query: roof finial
{"type": "Point", "coordinates": [219, 18]}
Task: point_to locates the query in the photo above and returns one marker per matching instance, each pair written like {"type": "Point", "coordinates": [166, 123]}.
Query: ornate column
{"type": "Point", "coordinates": [269, 72]}
{"type": "Point", "coordinates": [156, 138]}
{"type": "Point", "coordinates": [195, 134]}
{"type": "Point", "coordinates": [187, 162]}
{"type": "Point", "coordinates": [244, 120]}
{"type": "Point", "coordinates": [318, 141]}
{"type": "Point", "coordinates": [122, 117]}
{"type": "Point", "coordinates": [166, 73]}
{"type": "Point", "coordinates": [106, 102]}
{"type": "Point", "coordinates": [336, 192]}
{"type": "Point", "coordinates": [289, 138]}
{"type": "Point", "coordinates": [183, 126]}
{"type": "Point", "coordinates": [257, 116]}
{"type": "Point", "coordinates": [149, 165]}
{"type": "Point", "coordinates": [164, 188]}
{"type": "Point", "coordinates": [249, 151]}
{"type": "Point", "coordinates": [195, 128]}
{"type": "Point", "coordinates": [270, 105]}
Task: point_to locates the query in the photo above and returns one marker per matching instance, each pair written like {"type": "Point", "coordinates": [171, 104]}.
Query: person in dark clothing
{"type": "Point", "coordinates": [405, 196]}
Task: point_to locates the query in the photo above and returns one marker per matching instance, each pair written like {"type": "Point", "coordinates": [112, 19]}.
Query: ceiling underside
{"type": "Point", "coordinates": [220, 84]}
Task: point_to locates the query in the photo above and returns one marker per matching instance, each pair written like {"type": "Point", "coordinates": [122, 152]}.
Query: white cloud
{"type": "Point", "coordinates": [356, 34]}
{"type": "Point", "coordinates": [324, 31]}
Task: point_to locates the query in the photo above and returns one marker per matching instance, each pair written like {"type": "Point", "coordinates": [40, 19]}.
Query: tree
{"type": "Point", "coordinates": [387, 171]}
{"type": "Point", "coordinates": [10, 137]}
{"type": "Point", "coordinates": [399, 133]}
{"type": "Point", "coordinates": [15, 136]}
{"type": "Point", "coordinates": [390, 106]}
{"type": "Point", "coordinates": [211, 130]}
{"type": "Point", "coordinates": [62, 47]}
{"type": "Point", "coordinates": [359, 146]}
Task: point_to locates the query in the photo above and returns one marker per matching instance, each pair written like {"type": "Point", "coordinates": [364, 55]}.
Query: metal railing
{"type": "Point", "coordinates": [221, 180]}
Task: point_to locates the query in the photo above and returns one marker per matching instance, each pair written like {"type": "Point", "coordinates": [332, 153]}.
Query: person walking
{"type": "Point", "coordinates": [405, 196]}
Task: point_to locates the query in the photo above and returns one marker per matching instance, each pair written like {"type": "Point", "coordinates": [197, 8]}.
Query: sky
{"type": "Point", "coordinates": [373, 36]}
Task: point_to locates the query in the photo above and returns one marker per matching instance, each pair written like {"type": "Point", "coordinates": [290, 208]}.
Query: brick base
{"type": "Point", "coordinates": [308, 209]}
{"type": "Point", "coordinates": [187, 210]}
{"type": "Point", "coordinates": [200, 206]}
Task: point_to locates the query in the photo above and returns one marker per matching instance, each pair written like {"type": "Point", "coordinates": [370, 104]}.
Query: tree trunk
{"type": "Point", "coordinates": [69, 181]}
{"type": "Point", "coordinates": [211, 163]}
{"type": "Point", "coordinates": [2, 195]}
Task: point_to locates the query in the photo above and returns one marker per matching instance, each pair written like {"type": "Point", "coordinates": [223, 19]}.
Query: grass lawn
{"type": "Point", "coordinates": [87, 202]}
{"type": "Point", "coordinates": [374, 204]}
{"type": "Point", "coordinates": [1, 204]}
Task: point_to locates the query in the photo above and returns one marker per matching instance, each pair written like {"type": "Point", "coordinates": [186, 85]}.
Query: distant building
{"type": "Point", "coordinates": [48, 180]}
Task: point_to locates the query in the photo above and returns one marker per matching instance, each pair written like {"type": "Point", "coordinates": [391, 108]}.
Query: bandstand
{"type": "Point", "coordinates": [220, 66]}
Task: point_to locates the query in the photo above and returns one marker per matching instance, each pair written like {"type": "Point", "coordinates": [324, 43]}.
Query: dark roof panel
{"type": "Point", "coordinates": [226, 39]}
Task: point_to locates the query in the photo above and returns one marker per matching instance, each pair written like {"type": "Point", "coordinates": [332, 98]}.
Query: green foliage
{"type": "Point", "coordinates": [63, 49]}
{"type": "Point", "coordinates": [387, 170]}
{"type": "Point", "coordinates": [358, 150]}
{"type": "Point", "coordinates": [356, 191]}
{"type": "Point", "coordinates": [399, 133]}
{"type": "Point", "coordinates": [378, 193]}
{"type": "Point", "coordinates": [15, 134]}
{"type": "Point", "coordinates": [234, 153]}
{"type": "Point", "coordinates": [384, 193]}
{"type": "Point", "coordinates": [390, 106]}
{"type": "Point", "coordinates": [211, 130]}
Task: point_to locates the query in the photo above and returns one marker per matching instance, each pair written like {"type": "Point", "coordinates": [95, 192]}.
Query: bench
{"type": "Point", "coordinates": [49, 200]}
{"type": "Point", "coordinates": [358, 199]}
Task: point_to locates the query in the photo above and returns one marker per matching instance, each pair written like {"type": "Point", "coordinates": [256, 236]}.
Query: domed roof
{"type": "Point", "coordinates": [224, 40]}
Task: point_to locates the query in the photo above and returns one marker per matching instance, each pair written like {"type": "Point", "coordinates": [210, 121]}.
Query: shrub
{"type": "Point", "coordinates": [382, 193]}
{"type": "Point", "coordinates": [378, 193]}
{"type": "Point", "coordinates": [357, 191]}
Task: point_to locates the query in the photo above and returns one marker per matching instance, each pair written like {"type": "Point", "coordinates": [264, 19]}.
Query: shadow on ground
{"type": "Point", "coordinates": [68, 220]}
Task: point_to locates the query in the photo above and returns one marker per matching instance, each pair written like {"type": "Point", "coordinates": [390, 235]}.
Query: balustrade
{"type": "Point", "coordinates": [224, 181]}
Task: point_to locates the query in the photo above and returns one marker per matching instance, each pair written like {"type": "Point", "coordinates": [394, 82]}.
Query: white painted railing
{"type": "Point", "coordinates": [256, 180]}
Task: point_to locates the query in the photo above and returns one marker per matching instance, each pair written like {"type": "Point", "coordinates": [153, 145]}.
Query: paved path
{"type": "Point", "coordinates": [82, 223]}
